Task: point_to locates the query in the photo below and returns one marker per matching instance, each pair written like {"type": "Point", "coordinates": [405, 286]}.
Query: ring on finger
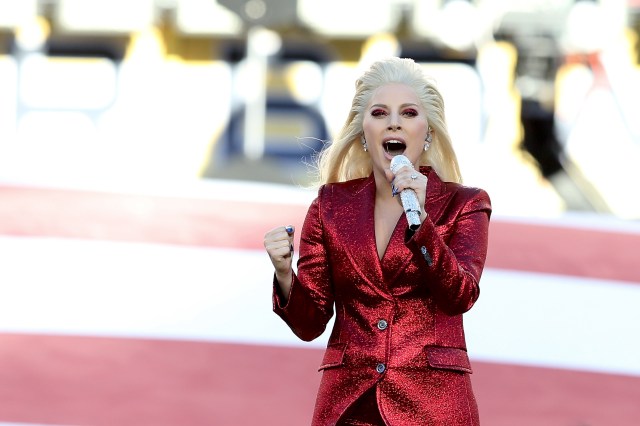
{"type": "Point", "coordinates": [414, 176]}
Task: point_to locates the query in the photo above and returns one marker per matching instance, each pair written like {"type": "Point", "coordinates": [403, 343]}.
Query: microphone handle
{"type": "Point", "coordinates": [411, 207]}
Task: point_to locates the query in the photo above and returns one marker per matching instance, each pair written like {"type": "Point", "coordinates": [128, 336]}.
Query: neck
{"type": "Point", "coordinates": [383, 186]}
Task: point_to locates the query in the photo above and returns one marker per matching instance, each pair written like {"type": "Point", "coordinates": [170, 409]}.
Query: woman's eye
{"type": "Point", "coordinates": [378, 112]}
{"type": "Point", "coordinates": [411, 112]}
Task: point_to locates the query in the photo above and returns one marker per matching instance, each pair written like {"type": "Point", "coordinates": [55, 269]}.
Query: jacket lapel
{"type": "Point", "coordinates": [437, 200]}
{"type": "Point", "coordinates": [357, 222]}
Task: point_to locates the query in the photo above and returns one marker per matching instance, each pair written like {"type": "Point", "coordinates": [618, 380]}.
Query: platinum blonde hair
{"type": "Point", "coordinates": [344, 159]}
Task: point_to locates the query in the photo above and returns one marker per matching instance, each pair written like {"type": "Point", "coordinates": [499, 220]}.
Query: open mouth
{"type": "Point", "coordinates": [394, 147]}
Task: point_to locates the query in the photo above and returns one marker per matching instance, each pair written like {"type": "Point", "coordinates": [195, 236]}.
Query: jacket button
{"type": "Point", "coordinates": [380, 368]}
{"type": "Point", "coordinates": [382, 324]}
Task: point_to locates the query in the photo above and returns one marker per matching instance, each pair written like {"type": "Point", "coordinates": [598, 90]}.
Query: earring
{"type": "Point", "coordinates": [364, 143]}
{"type": "Point", "coordinates": [428, 139]}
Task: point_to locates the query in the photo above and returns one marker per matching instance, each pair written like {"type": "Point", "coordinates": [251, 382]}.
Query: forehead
{"type": "Point", "coordinates": [394, 94]}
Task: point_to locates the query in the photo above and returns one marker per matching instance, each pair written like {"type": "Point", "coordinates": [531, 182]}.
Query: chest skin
{"type": "Point", "coordinates": [386, 217]}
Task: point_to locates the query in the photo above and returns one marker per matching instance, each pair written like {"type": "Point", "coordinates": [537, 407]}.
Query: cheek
{"type": "Point", "coordinates": [420, 132]}
{"type": "Point", "coordinates": [368, 129]}
{"type": "Point", "coordinates": [422, 127]}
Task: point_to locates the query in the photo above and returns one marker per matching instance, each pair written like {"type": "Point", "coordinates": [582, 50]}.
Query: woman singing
{"type": "Point", "coordinates": [397, 353]}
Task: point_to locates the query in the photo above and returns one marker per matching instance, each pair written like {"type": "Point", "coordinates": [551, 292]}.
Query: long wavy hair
{"type": "Point", "coordinates": [344, 159]}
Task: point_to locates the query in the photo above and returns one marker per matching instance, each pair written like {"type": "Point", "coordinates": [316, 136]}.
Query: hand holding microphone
{"type": "Point", "coordinates": [408, 196]}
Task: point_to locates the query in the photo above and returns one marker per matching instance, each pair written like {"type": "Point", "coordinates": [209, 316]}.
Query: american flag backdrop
{"type": "Point", "coordinates": [146, 306]}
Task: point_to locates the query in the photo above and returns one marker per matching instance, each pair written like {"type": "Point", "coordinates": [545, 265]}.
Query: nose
{"type": "Point", "coordinates": [394, 122]}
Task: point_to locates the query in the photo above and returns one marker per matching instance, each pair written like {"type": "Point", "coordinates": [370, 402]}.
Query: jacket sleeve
{"type": "Point", "coordinates": [309, 306]}
{"type": "Point", "coordinates": [454, 267]}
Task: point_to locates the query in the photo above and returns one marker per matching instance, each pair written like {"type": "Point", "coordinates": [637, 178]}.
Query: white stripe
{"type": "Point", "coordinates": [132, 289]}
{"type": "Point", "coordinates": [162, 291]}
{"type": "Point", "coordinates": [556, 321]}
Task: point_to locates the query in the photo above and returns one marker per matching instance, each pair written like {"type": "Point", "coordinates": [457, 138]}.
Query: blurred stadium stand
{"type": "Point", "coordinates": [158, 90]}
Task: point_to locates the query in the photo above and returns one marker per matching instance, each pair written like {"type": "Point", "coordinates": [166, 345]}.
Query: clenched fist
{"type": "Point", "coordinates": [279, 245]}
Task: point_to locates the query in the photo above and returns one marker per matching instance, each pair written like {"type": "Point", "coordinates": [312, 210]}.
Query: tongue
{"type": "Point", "coordinates": [394, 148]}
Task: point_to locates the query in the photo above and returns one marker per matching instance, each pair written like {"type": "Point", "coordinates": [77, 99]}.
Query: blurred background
{"type": "Point", "coordinates": [147, 145]}
{"type": "Point", "coordinates": [542, 91]}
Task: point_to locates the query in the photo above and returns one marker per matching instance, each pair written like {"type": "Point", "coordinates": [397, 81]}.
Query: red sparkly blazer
{"type": "Point", "coordinates": [398, 322]}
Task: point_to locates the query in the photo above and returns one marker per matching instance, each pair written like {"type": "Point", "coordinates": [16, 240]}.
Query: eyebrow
{"type": "Point", "coordinates": [385, 106]}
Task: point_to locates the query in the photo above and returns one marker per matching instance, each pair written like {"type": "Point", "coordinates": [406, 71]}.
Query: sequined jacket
{"type": "Point", "coordinates": [398, 320]}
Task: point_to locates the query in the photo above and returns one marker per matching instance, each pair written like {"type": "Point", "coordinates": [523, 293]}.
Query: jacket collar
{"type": "Point", "coordinates": [362, 248]}
{"type": "Point", "coordinates": [438, 197]}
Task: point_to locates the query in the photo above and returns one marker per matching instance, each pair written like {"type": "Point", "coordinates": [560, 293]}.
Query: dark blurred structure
{"type": "Point", "coordinates": [536, 36]}
{"type": "Point", "coordinates": [633, 10]}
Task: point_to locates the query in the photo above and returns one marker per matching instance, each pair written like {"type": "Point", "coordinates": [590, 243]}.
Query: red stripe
{"type": "Point", "coordinates": [564, 251]}
{"type": "Point", "coordinates": [107, 381]}
{"type": "Point", "coordinates": [125, 217]}
{"type": "Point", "coordinates": [511, 395]}
{"type": "Point", "coordinates": [132, 382]}
{"type": "Point", "coordinates": [235, 224]}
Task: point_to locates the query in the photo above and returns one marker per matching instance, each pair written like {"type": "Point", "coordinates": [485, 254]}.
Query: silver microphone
{"type": "Point", "coordinates": [408, 196]}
